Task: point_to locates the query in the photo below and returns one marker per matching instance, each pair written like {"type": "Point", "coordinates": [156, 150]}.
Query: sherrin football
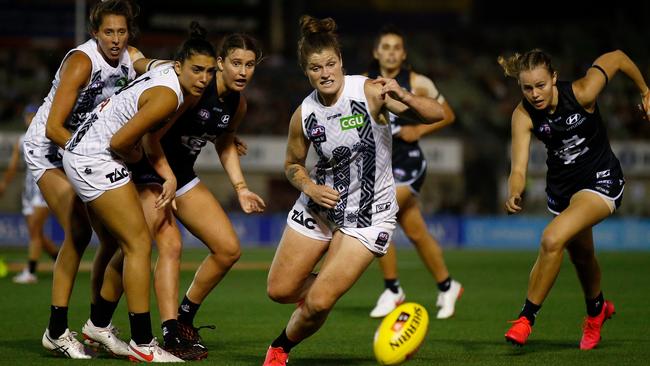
{"type": "Point", "coordinates": [401, 333]}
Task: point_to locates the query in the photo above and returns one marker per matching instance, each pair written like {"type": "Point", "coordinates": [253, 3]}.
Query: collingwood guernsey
{"type": "Point", "coordinates": [354, 157]}
{"type": "Point", "coordinates": [94, 136]}
{"type": "Point", "coordinates": [104, 81]}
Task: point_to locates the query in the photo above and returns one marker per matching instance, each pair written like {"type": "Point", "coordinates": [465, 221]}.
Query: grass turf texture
{"type": "Point", "coordinates": [495, 287]}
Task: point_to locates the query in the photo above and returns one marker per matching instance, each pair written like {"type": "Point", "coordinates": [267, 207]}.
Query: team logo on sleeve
{"type": "Point", "coordinates": [352, 122]}
{"type": "Point", "coordinates": [317, 134]}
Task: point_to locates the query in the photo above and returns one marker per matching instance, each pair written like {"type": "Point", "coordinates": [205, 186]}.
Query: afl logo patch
{"type": "Point", "coordinates": [204, 114]}
{"type": "Point", "coordinates": [317, 134]}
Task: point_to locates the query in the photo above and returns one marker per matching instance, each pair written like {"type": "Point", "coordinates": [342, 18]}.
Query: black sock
{"type": "Point", "coordinates": [58, 321]}
{"type": "Point", "coordinates": [186, 311]}
{"type": "Point", "coordinates": [444, 285]}
{"type": "Point", "coordinates": [31, 266]}
{"type": "Point", "coordinates": [102, 311]}
{"type": "Point", "coordinates": [141, 328]}
{"type": "Point", "coordinates": [284, 342]}
{"type": "Point", "coordinates": [595, 305]}
{"type": "Point", "coordinates": [392, 285]}
{"type": "Point", "coordinates": [170, 331]}
{"type": "Point", "coordinates": [530, 311]}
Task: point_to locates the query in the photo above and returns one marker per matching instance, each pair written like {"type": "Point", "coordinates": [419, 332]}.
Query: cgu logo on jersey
{"type": "Point", "coordinates": [317, 134]}
{"type": "Point", "coordinates": [352, 122]}
{"type": "Point", "coordinates": [575, 119]}
{"type": "Point", "coordinates": [118, 174]}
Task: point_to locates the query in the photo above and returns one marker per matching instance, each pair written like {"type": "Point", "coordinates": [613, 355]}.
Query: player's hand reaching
{"type": "Point", "coordinates": [645, 100]}
{"type": "Point", "coordinates": [241, 146]}
{"type": "Point", "coordinates": [167, 195]}
{"type": "Point", "coordinates": [323, 195]}
{"type": "Point", "coordinates": [250, 202]}
{"type": "Point", "coordinates": [390, 87]}
{"type": "Point", "coordinates": [513, 204]}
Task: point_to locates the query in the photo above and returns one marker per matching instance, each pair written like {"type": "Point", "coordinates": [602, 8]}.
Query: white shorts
{"type": "Point", "coordinates": [40, 158]}
{"type": "Point", "coordinates": [90, 177]}
{"type": "Point", "coordinates": [376, 238]}
{"type": "Point", "coordinates": [32, 196]}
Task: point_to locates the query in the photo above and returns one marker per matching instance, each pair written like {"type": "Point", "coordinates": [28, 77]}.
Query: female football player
{"type": "Point", "coordinates": [347, 207]}
{"type": "Point", "coordinates": [584, 181]}
{"type": "Point", "coordinates": [409, 171]}
{"type": "Point", "coordinates": [88, 75]}
{"type": "Point", "coordinates": [95, 162]}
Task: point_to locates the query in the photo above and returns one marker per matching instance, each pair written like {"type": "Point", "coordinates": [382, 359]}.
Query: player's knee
{"type": "Point", "coordinates": [170, 249]}
{"type": "Point", "coordinates": [228, 254]}
{"type": "Point", "coordinates": [416, 235]}
{"type": "Point", "coordinates": [138, 243]}
{"type": "Point", "coordinates": [551, 242]}
{"type": "Point", "coordinates": [279, 293]}
{"type": "Point", "coordinates": [319, 305]}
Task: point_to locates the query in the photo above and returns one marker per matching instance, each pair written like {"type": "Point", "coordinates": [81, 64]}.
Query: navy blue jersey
{"type": "Point", "coordinates": [409, 166]}
{"type": "Point", "coordinates": [578, 152]}
{"type": "Point", "coordinates": [205, 122]}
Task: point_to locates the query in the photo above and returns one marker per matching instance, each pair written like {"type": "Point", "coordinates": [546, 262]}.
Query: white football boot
{"type": "Point", "coordinates": [25, 277]}
{"type": "Point", "coordinates": [150, 352]}
{"type": "Point", "coordinates": [447, 300]}
{"type": "Point", "coordinates": [104, 337]}
{"type": "Point", "coordinates": [66, 345]}
{"type": "Point", "coordinates": [387, 302]}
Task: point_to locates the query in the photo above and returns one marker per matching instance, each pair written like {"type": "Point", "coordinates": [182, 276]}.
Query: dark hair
{"type": "Point", "coordinates": [241, 41]}
{"type": "Point", "coordinates": [389, 29]}
{"type": "Point", "coordinates": [514, 65]}
{"type": "Point", "coordinates": [317, 35]}
{"type": "Point", "coordinates": [114, 7]}
{"type": "Point", "coordinates": [386, 30]}
{"type": "Point", "coordinates": [195, 44]}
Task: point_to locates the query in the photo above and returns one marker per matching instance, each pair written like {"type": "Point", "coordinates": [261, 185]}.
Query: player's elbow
{"type": "Point", "coordinates": [118, 147]}
{"type": "Point", "coordinates": [436, 115]}
{"type": "Point", "coordinates": [50, 132]}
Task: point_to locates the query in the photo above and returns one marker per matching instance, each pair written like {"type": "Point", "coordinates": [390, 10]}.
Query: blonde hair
{"type": "Point", "coordinates": [514, 65]}
{"type": "Point", "coordinates": [317, 35]}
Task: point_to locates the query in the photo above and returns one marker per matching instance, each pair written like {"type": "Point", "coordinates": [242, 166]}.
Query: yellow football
{"type": "Point", "coordinates": [401, 333]}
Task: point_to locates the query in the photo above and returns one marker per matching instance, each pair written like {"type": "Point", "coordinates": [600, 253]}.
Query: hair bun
{"type": "Point", "coordinates": [196, 31]}
{"type": "Point", "coordinates": [310, 25]}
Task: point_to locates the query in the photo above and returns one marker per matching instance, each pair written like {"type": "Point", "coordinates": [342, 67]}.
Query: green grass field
{"type": "Point", "coordinates": [495, 284]}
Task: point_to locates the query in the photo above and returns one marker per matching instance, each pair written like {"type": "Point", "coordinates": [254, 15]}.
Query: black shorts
{"type": "Point", "coordinates": [409, 165]}
{"type": "Point", "coordinates": [610, 187]}
{"type": "Point", "coordinates": [143, 173]}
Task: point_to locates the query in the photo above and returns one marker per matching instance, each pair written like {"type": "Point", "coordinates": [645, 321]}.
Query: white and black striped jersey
{"type": "Point", "coordinates": [354, 157]}
{"type": "Point", "coordinates": [105, 80]}
{"type": "Point", "coordinates": [94, 135]}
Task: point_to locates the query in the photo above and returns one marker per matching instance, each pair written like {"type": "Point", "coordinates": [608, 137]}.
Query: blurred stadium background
{"type": "Point", "coordinates": [454, 42]}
